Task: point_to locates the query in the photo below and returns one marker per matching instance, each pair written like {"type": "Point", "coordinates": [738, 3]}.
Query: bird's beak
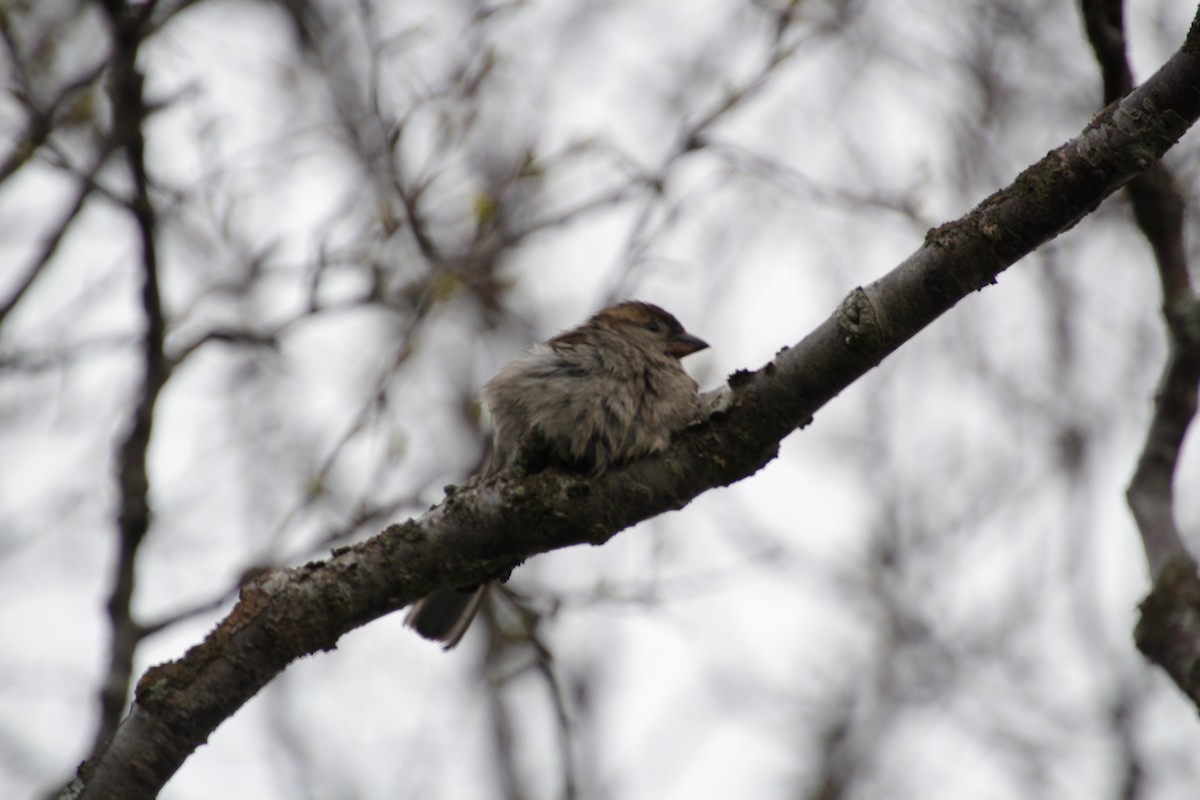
{"type": "Point", "coordinates": [684, 344]}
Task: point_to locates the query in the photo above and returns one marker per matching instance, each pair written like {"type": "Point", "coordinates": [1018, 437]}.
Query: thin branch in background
{"type": "Point", "coordinates": [694, 136]}
{"type": "Point", "coordinates": [532, 655]}
{"type": "Point", "coordinates": [376, 402]}
{"type": "Point", "coordinates": [1151, 491]}
{"type": "Point", "coordinates": [365, 518]}
{"type": "Point", "coordinates": [1104, 21]}
{"type": "Point", "coordinates": [1158, 210]}
{"type": "Point", "coordinates": [1168, 632]}
{"type": "Point", "coordinates": [50, 244]}
{"type": "Point", "coordinates": [838, 754]}
{"type": "Point", "coordinates": [268, 339]}
{"type": "Point", "coordinates": [544, 664]}
{"type": "Point", "coordinates": [133, 484]}
{"type": "Point", "coordinates": [42, 360]}
{"type": "Point", "coordinates": [42, 121]}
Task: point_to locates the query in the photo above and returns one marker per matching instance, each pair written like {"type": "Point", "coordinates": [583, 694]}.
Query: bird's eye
{"type": "Point", "coordinates": [653, 325]}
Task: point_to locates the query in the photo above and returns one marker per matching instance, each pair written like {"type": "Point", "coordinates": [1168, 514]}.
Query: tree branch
{"type": "Point", "coordinates": [129, 113]}
{"type": "Point", "coordinates": [1168, 632]}
{"type": "Point", "coordinates": [485, 529]}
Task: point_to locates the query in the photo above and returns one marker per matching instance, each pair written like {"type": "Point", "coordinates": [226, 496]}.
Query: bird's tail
{"type": "Point", "coordinates": [445, 615]}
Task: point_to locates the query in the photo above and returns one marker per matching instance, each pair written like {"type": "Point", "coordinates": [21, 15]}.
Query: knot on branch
{"type": "Point", "coordinates": [858, 323]}
{"type": "Point", "coordinates": [1168, 632]}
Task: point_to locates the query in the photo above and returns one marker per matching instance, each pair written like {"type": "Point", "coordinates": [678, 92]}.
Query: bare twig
{"type": "Point", "coordinates": [50, 244]}
{"type": "Point", "coordinates": [41, 122]}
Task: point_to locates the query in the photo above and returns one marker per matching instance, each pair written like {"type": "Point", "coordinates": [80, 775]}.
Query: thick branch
{"type": "Point", "coordinates": [484, 530]}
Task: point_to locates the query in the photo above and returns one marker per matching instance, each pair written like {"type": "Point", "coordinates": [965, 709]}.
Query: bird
{"type": "Point", "coordinates": [604, 393]}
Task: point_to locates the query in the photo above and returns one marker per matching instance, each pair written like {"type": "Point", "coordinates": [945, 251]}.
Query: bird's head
{"type": "Point", "coordinates": [650, 328]}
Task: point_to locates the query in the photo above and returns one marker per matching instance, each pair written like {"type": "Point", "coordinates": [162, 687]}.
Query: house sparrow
{"type": "Point", "coordinates": [606, 392]}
